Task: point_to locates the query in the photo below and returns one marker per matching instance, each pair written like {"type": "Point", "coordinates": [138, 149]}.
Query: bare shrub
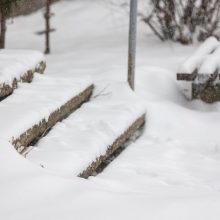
{"type": "Point", "coordinates": [183, 20]}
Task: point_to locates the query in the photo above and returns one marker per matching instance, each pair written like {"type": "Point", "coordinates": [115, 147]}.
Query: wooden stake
{"type": "Point", "coordinates": [47, 32]}
{"type": "Point", "coordinates": [2, 27]}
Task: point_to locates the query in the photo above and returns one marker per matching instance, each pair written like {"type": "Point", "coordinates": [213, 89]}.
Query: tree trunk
{"type": "Point", "coordinates": [2, 28]}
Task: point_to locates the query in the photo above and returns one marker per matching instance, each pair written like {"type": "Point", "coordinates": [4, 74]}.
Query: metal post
{"type": "Point", "coordinates": [132, 42]}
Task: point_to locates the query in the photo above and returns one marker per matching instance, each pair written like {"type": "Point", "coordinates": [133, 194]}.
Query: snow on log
{"type": "Point", "coordinates": [18, 66]}
{"type": "Point", "coordinates": [121, 140]}
{"type": "Point", "coordinates": [81, 142]}
{"type": "Point", "coordinates": [33, 109]}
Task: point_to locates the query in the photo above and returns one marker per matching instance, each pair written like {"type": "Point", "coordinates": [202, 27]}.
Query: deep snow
{"type": "Point", "coordinates": [171, 172]}
{"type": "Point", "coordinates": [76, 142]}
{"type": "Point", "coordinates": [31, 103]}
{"type": "Point", "coordinates": [203, 59]}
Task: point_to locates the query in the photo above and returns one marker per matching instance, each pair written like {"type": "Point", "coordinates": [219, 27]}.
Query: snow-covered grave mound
{"type": "Point", "coordinates": [199, 74]}
{"type": "Point", "coordinates": [18, 66]}
{"type": "Point", "coordinates": [34, 108]}
{"type": "Point", "coordinates": [77, 145]}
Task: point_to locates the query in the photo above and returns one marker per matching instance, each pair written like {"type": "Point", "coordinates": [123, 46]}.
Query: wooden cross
{"type": "Point", "coordinates": [48, 29]}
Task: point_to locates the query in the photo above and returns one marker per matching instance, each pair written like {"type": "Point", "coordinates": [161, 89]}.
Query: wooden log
{"type": "Point", "coordinates": [7, 89]}
{"type": "Point", "coordinates": [121, 140]}
{"type": "Point", "coordinates": [187, 76]}
{"type": "Point", "coordinates": [32, 135]}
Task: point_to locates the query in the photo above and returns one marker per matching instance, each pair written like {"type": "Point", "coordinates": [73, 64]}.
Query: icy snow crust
{"type": "Point", "coordinates": [73, 144]}
{"type": "Point", "coordinates": [34, 102]}
{"type": "Point", "coordinates": [15, 63]}
{"type": "Point", "coordinates": [171, 173]}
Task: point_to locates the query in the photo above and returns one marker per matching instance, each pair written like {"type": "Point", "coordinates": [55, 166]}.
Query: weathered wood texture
{"type": "Point", "coordinates": [40, 129]}
{"type": "Point", "coordinates": [7, 89]}
{"type": "Point", "coordinates": [205, 86]}
{"type": "Point", "coordinates": [111, 149]}
{"type": "Point", "coordinates": [207, 93]}
{"type": "Point", "coordinates": [187, 76]}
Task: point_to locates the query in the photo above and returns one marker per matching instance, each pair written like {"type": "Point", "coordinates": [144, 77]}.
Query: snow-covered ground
{"type": "Point", "coordinates": [171, 172]}
{"type": "Point", "coordinates": [76, 142]}
{"type": "Point", "coordinates": [31, 103]}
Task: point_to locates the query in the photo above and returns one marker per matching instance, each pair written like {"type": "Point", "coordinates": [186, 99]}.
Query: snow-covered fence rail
{"type": "Point", "coordinates": [200, 73]}
{"type": "Point", "coordinates": [18, 66]}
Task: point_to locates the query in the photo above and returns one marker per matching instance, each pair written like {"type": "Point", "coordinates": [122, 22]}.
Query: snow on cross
{"type": "Point", "coordinates": [199, 74]}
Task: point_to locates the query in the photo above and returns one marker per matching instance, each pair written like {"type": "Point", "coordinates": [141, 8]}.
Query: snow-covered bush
{"type": "Point", "coordinates": [184, 20]}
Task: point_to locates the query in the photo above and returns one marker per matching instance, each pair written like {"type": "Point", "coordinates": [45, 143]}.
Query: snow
{"type": "Point", "coordinates": [171, 172]}
{"type": "Point", "coordinates": [200, 56]}
{"type": "Point", "coordinates": [205, 60]}
{"type": "Point", "coordinates": [15, 63]}
{"type": "Point", "coordinates": [35, 102]}
{"type": "Point", "coordinates": [211, 63]}
{"type": "Point", "coordinates": [73, 144]}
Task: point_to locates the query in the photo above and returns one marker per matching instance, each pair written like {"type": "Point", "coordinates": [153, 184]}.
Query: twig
{"type": "Point", "coordinates": [101, 93]}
